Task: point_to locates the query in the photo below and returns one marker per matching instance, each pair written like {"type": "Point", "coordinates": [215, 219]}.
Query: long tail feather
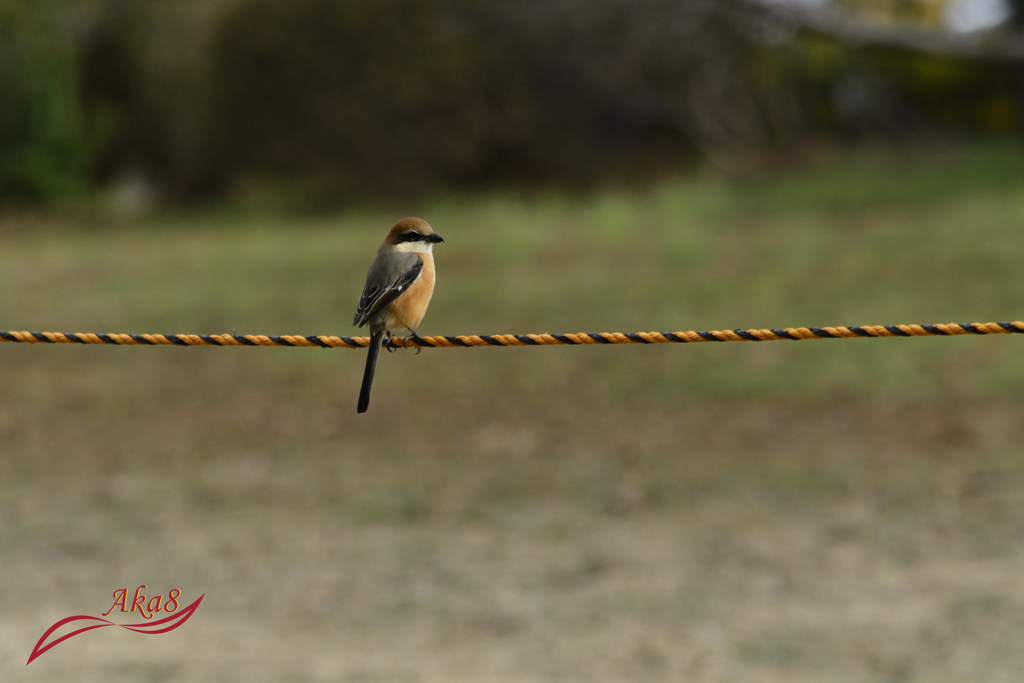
{"type": "Point", "coordinates": [373, 351]}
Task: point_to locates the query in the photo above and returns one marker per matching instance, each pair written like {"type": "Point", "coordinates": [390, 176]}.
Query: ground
{"type": "Point", "coordinates": [841, 510]}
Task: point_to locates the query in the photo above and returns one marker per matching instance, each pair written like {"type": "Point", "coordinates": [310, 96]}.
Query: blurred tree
{"type": "Point", "coordinates": [901, 70]}
{"type": "Point", "coordinates": [44, 142]}
{"type": "Point", "coordinates": [147, 68]}
{"type": "Point", "coordinates": [352, 98]}
{"type": "Point", "coordinates": [391, 95]}
{"type": "Point", "coordinates": [397, 95]}
{"type": "Point", "coordinates": [1016, 20]}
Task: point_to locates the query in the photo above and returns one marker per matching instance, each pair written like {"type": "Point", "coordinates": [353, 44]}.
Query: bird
{"type": "Point", "coordinates": [397, 290]}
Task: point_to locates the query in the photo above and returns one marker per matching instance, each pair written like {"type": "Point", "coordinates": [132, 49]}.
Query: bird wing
{"type": "Point", "coordinates": [383, 287]}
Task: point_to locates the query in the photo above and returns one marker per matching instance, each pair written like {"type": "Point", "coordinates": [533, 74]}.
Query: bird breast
{"type": "Point", "coordinates": [409, 308]}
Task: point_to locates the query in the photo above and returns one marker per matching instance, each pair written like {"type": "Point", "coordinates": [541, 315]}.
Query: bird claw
{"type": "Point", "coordinates": [415, 336]}
{"type": "Point", "coordinates": [393, 346]}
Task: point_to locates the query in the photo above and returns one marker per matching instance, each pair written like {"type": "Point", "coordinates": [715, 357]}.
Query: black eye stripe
{"type": "Point", "coordinates": [410, 236]}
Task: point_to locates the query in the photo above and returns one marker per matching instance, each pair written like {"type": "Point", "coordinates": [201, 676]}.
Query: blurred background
{"type": "Point", "coordinates": [832, 510]}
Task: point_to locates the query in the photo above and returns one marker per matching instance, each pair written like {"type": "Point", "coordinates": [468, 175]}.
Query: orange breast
{"type": "Point", "coordinates": [408, 309]}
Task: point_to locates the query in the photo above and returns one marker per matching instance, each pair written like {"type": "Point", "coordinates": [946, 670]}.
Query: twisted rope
{"type": "Point", "coordinates": [790, 333]}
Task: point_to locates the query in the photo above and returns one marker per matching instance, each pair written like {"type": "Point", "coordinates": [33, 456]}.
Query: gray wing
{"type": "Point", "coordinates": [384, 285]}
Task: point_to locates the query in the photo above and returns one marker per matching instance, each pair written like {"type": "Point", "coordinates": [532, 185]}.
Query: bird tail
{"type": "Point", "coordinates": [373, 351]}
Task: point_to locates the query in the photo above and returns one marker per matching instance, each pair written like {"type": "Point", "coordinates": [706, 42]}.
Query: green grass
{"type": "Point", "coordinates": [843, 510]}
{"type": "Point", "coordinates": [852, 246]}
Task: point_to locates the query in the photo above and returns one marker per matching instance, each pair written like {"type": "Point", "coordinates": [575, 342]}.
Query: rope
{"type": "Point", "coordinates": [790, 333]}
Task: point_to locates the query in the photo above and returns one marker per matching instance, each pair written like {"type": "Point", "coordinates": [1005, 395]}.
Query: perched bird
{"type": "Point", "coordinates": [398, 289]}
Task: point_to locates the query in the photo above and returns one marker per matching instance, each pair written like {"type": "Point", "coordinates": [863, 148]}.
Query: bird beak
{"type": "Point", "coordinates": [434, 238]}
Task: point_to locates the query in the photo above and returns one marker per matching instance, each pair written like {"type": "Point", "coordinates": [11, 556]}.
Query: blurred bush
{"type": "Point", "coordinates": [390, 95]}
{"type": "Point", "coordinates": [44, 142]}
{"type": "Point", "coordinates": [396, 96]}
{"type": "Point", "coordinates": [393, 97]}
{"type": "Point", "coordinates": [325, 101]}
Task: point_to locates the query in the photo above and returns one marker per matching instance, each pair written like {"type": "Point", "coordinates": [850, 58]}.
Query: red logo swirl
{"type": "Point", "coordinates": [151, 628]}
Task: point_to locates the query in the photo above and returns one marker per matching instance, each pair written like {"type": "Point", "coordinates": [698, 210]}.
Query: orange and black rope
{"type": "Point", "coordinates": [790, 333]}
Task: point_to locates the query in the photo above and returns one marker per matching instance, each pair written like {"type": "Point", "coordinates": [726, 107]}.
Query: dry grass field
{"type": "Point", "coordinates": [818, 511]}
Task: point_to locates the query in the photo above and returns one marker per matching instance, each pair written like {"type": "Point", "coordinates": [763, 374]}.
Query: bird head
{"type": "Point", "coordinates": [412, 234]}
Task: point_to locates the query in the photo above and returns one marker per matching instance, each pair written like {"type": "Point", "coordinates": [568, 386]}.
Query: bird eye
{"type": "Point", "coordinates": [410, 236]}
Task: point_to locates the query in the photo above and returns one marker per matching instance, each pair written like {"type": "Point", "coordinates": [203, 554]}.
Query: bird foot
{"type": "Point", "coordinates": [415, 336]}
